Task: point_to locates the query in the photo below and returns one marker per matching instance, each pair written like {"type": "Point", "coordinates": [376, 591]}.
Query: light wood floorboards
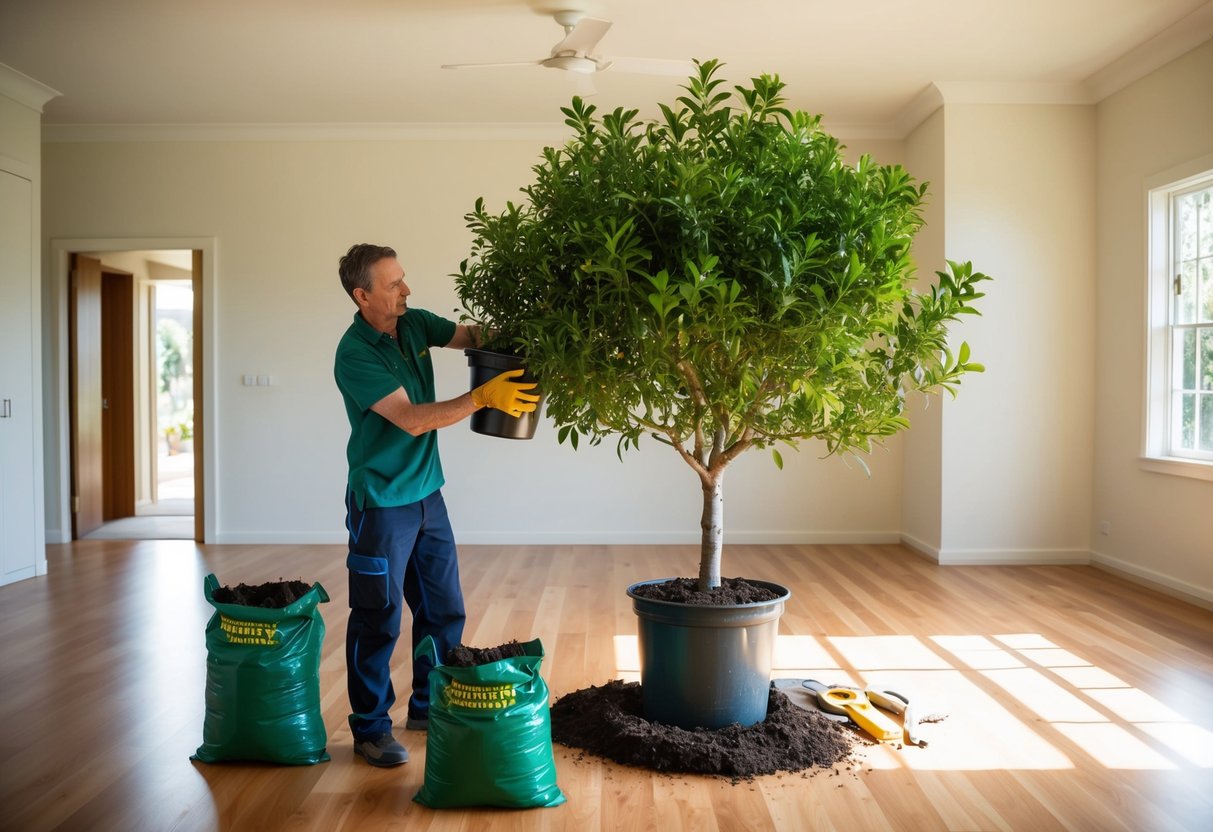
{"type": "Point", "coordinates": [1074, 699]}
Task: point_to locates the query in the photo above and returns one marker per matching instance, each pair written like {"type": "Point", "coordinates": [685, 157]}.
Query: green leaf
{"type": "Point", "coordinates": [778, 459]}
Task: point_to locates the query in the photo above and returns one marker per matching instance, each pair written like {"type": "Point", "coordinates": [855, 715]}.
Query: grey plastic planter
{"type": "Point", "coordinates": [485, 366]}
{"type": "Point", "coordinates": [707, 667]}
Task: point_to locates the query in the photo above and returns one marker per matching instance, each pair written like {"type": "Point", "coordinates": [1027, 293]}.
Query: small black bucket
{"type": "Point", "coordinates": [489, 421]}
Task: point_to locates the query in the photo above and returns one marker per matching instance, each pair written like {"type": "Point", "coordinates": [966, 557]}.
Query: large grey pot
{"type": "Point", "coordinates": [707, 667]}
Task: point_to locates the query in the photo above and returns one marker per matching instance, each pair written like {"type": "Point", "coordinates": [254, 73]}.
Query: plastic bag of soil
{"type": "Point", "coordinates": [263, 681]}
{"type": "Point", "coordinates": [490, 735]}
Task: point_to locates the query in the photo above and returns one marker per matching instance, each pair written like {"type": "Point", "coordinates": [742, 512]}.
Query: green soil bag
{"type": "Point", "coordinates": [263, 682]}
{"type": "Point", "coordinates": [490, 736]}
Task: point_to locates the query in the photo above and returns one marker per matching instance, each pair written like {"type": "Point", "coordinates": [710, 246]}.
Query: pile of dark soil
{"type": "Point", "coordinates": [464, 656]}
{"type": "Point", "coordinates": [686, 591]}
{"type": "Point", "coordinates": [608, 721]}
{"type": "Point", "coordinates": [272, 595]}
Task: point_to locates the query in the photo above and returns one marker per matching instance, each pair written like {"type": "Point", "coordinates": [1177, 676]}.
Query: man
{"type": "Point", "coordinates": [401, 548]}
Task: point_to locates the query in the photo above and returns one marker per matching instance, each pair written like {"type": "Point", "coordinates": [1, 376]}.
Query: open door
{"type": "Point", "coordinates": [84, 350]}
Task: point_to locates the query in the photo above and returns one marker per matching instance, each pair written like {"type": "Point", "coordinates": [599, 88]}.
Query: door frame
{"type": "Point", "coordinates": [58, 394]}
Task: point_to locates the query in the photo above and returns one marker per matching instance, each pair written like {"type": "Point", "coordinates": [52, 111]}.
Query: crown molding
{"type": "Point", "coordinates": [1177, 39]}
{"type": "Point", "coordinates": [396, 132]}
{"type": "Point", "coordinates": [24, 89]}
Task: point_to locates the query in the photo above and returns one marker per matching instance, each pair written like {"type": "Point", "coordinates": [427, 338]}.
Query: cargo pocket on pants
{"type": "Point", "coordinates": [368, 582]}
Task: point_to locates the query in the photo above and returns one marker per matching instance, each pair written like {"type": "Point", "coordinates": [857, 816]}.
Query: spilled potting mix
{"type": "Point", "coordinates": [608, 721]}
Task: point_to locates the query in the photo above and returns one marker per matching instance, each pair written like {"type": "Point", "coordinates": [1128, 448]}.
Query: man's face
{"type": "Point", "coordinates": [388, 290]}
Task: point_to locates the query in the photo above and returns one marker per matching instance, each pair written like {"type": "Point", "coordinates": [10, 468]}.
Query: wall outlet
{"type": "Point", "coordinates": [249, 380]}
{"type": "Point", "coordinates": [1105, 527]}
{"type": "Point", "coordinates": [264, 381]}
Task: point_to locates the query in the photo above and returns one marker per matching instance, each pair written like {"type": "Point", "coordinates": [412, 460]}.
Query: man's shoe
{"type": "Point", "coordinates": [417, 723]}
{"type": "Point", "coordinates": [382, 751]}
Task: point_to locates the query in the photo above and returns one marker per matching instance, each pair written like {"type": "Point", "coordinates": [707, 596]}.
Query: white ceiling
{"type": "Point", "coordinates": [859, 62]}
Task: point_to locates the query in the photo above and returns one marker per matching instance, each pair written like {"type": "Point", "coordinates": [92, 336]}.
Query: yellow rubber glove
{"type": "Point", "coordinates": [505, 395]}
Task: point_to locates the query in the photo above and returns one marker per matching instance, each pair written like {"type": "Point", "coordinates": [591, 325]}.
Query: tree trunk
{"type": "Point", "coordinates": [712, 540]}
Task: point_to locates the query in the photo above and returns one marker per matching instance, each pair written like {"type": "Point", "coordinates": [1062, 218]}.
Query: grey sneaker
{"type": "Point", "coordinates": [417, 723]}
{"type": "Point", "coordinates": [382, 751]}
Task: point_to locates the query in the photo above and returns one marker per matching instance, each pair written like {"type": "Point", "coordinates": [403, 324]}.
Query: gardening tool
{"type": "Point", "coordinates": [863, 712]}
{"type": "Point", "coordinates": [895, 702]}
{"type": "Point", "coordinates": [803, 696]}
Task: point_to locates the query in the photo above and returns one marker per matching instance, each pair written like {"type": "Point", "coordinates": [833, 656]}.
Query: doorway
{"type": "Point", "coordinates": [135, 373]}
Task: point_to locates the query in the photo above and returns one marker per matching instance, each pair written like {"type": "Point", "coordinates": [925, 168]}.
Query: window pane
{"type": "Point", "coordinates": [1187, 431]}
{"type": "Point", "coordinates": [1206, 288]}
{"type": "Point", "coordinates": [1205, 198]}
{"type": "Point", "coordinates": [1185, 301]}
{"type": "Point", "coordinates": [1206, 359]}
{"type": "Point", "coordinates": [1184, 358]}
{"type": "Point", "coordinates": [1185, 227]}
{"type": "Point", "coordinates": [1206, 423]}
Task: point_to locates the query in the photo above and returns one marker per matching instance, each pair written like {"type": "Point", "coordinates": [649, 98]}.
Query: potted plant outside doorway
{"type": "Point", "coordinates": [719, 280]}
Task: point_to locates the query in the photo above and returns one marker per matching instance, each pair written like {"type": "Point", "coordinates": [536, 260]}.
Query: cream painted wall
{"type": "Point", "coordinates": [921, 492]}
{"type": "Point", "coordinates": [1161, 524]}
{"type": "Point", "coordinates": [282, 213]}
{"type": "Point", "coordinates": [1017, 440]}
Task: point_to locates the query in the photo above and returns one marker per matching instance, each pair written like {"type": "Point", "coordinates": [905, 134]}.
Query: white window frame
{"type": "Point", "coordinates": [1157, 454]}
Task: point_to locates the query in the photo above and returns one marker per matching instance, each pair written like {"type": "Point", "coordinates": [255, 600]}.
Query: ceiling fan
{"type": "Point", "coordinates": [575, 53]}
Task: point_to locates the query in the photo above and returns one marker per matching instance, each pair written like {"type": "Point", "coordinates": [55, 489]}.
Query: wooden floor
{"type": "Point", "coordinates": [1074, 699]}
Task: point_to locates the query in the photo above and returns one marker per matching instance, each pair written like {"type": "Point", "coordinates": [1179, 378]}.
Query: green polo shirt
{"type": "Point", "coordinates": [388, 466]}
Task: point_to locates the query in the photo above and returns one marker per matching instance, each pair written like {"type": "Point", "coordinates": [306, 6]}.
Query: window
{"type": "Point", "coordinates": [1179, 430]}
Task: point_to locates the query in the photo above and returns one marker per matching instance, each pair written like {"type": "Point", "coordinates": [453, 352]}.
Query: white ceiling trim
{"type": "Point", "coordinates": [400, 132]}
{"type": "Point", "coordinates": [24, 89]}
{"type": "Point", "coordinates": [1177, 39]}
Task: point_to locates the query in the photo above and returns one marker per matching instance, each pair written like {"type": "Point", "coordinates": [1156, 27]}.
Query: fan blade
{"type": "Point", "coordinates": [583, 38]}
{"type": "Point", "coordinates": [483, 66]}
{"type": "Point", "coordinates": [649, 66]}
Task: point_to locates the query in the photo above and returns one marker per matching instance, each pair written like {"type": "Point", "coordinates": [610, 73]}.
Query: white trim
{"type": "Point", "coordinates": [1014, 557]}
{"type": "Point", "coordinates": [919, 547]}
{"type": "Point", "coordinates": [1194, 468]}
{"type": "Point", "coordinates": [1156, 329]}
{"type": "Point", "coordinates": [25, 90]}
{"type": "Point", "coordinates": [1177, 39]}
{"type": "Point", "coordinates": [974, 92]}
{"type": "Point", "coordinates": [400, 132]}
{"type": "Point", "coordinates": [22, 574]}
{"type": "Point", "coordinates": [57, 536]}
{"type": "Point", "coordinates": [59, 267]}
{"type": "Point", "coordinates": [591, 538]}
{"type": "Point", "coordinates": [1201, 596]}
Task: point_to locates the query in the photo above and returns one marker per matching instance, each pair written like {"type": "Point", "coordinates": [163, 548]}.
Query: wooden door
{"type": "Point", "coordinates": [118, 393]}
{"type": "Point", "coordinates": [84, 333]}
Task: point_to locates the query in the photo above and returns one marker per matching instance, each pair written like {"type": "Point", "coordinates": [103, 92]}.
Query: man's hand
{"type": "Point", "coordinates": [505, 395]}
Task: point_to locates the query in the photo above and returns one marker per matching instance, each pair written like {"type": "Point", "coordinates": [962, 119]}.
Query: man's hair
{"type": "Point", "coordinates": [355, 266]}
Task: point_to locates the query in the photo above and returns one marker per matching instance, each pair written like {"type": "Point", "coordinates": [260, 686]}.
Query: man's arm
{"type": "Point", "coordinates": [467, 336]}
{"type": "Point", "coordinates": [417, 419]}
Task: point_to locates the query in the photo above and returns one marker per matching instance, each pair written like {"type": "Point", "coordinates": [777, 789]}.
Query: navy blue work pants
{"type": "Point", "coordinates": [401, 555]}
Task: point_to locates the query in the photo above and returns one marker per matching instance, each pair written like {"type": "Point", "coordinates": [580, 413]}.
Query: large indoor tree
{"type": "Point", "coordinates": [719, 279]}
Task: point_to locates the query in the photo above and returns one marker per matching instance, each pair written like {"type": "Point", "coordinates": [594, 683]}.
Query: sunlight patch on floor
{"type": "Point", "coordinates": [1063, 704]}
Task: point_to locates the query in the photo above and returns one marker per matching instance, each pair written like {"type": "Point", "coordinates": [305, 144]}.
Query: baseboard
{"type": "Point", "coordinates": [576, 538]}
{"type": "Point", "coordinates": [655, 538]}
{"type": "Point", "coordinates": [1014, 557]}
{"type": "Point", "coordinates": [1200, 596]}
{"type": "Point", "coordinates": [57, 536]}
{"type": "Point", "coordinates": [920, 548]}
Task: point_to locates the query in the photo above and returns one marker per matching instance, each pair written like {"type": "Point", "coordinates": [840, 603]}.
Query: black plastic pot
{"type": "Point", "coordinates": [489, 421]}
{"type": "Point", "coordinates": [707, 667]}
